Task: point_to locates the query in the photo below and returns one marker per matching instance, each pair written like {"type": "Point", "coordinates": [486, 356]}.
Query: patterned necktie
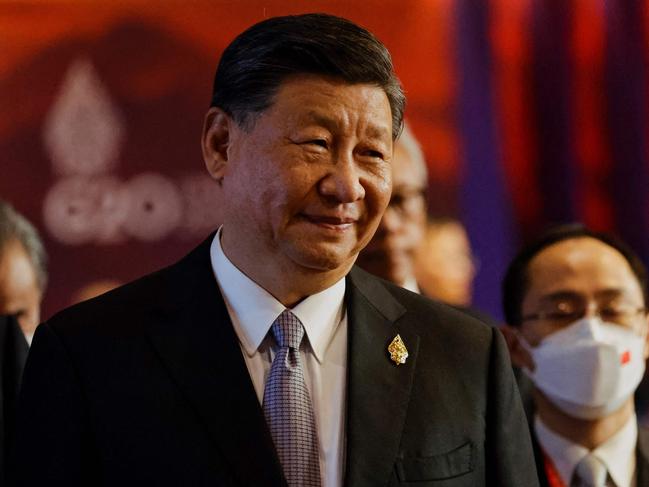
{"type": "Point", "coordinates": [589, 472]}
{"type": "Point", "coordinates": [287, 407]}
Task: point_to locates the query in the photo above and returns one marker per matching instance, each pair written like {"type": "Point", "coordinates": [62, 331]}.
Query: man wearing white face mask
{"type": "Point", "coordinates": [575, 304]}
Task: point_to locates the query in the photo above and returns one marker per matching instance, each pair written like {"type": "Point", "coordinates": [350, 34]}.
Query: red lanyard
{"type": "Point", "coordinates": [551, 473]}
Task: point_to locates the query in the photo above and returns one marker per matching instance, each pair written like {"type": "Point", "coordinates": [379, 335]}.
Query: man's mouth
{"type": "Point", "coordinates": [331, 222]}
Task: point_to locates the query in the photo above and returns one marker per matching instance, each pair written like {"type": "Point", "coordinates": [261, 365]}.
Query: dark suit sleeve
{"type": "Point", "coordinates": [510, 461]}
{"type": "Point", "coordinates": [52, 444]}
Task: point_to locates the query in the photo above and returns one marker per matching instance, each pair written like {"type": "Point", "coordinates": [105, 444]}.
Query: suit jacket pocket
{"type": "Point", "coordinates": [437, 467]}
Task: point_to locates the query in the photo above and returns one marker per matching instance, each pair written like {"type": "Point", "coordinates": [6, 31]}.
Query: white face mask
{"type": "Point", "coordinates": [590, 368]}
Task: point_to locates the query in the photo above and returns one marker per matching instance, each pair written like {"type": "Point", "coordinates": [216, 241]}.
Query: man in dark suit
{"type": "Point", "coordinates": [23, 276]}
{"type": "Point", "coordinates": [13, 354]}
{"type": "Point", "coordinates": [23, 270]}
{"type": "Point", "coordinates": [575, 301]}
{"type": "Point", "coordinates": [263, 358]}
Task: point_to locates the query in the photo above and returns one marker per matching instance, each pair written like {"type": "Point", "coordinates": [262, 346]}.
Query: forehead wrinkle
{"type": "Point", "coordinates": [578, 261]}
{"type": "Point", "coordinates": [348, 108]}
{"type": "Point", "coordinates": [343, 121]}
{"type": "Point", "coordinates": [608, 293]}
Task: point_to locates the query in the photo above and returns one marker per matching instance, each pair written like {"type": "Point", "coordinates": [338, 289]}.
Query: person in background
{"type": "Point", "coordinates": [444, 265]}
{"type": "Point", "coordinates": [575, 303]}
{"type": "Point", "coordinates": [391, 252]}
{"type": "Point", "coordinates": [23, 270]}
{"type": "Point", "coordinates": [402, 250]}
{"type": "Point", "coordinates": [265, 357]}
{"type": "Point", "coordinates": [23, 276]}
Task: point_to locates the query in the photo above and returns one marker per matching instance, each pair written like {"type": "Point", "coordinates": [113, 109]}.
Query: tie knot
{"type": "Point", "coordinates": [591, 472]}
{"type": "Point", "coordinates": [288, 330]}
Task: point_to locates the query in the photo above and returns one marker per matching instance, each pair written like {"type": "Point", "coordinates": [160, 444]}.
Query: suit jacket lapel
{"type": "Point", "coordinates": [378, 389]}
{"type": "Point", "coordinates": [642, 457]}
{"type": "Point", "coordinates": [539, 458]}
{"type": "Point", "coordinates": [195, 340]}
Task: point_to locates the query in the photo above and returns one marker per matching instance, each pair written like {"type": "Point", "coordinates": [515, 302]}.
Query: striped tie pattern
{"type": "Point", "coordinates": [287, 407]}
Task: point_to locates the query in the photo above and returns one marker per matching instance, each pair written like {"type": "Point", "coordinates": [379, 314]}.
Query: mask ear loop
{"type": "Point", "coordinates": [643, 335]}
{"type": "Point", "coordinates": [524, 344]}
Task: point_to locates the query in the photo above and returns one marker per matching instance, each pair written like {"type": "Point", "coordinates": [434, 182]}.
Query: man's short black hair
{"type": "Point", "coordinates": [256, 63]}
{"type": "Point", "coordinates": [516, 282]}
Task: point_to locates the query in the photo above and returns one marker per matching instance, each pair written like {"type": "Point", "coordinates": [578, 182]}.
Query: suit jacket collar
{"type": "Point", "coordinates": [642, 458]}
{"type": "Point", "coordinates": [194, 338]}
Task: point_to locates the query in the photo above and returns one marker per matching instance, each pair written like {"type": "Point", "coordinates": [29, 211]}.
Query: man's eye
{"type": "Point", "coordinates": [319, 142]}
{"type": "Point", "coordinates": [375, 153]}
{"type": "Point", "coordinates": [613, 312]}
{"type": "Point", "coordinates": [563, 315]}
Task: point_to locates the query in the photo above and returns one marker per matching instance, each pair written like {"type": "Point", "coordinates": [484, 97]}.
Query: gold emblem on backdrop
{"type": "Point", "coordinates": [398, 350]}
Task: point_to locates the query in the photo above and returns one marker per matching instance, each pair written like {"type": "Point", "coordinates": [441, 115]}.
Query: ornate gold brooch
{"type": "Point", "coordinates": [398, 350]}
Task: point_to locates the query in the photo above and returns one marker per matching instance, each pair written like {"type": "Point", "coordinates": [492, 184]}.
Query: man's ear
{"type": "Point", "coordinates": [217, 130]}
{"type": "Point", "coordinates": [519, 354]}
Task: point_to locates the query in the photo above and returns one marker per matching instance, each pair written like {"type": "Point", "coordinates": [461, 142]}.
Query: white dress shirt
{"type": "Point", "coordinates": [411, 285]}
{"type": "Point", "coordinates": [617, 453]}
{"type": "Point", "coordinates": [323, 350]}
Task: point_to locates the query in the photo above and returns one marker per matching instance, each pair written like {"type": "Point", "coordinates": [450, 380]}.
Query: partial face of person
{"type": "Point", "coordinates": [391, 252]}
{"type": "Point", "coordinates": [445, 268]}
{"type": "Point", "coordinates": [579, 278]}
{"type": "Point", "coordinates": [306, 186]}
{"type": "Point", "coordinates": [20, 294]}
{"type": "Point", "coordinates": [583, 330]}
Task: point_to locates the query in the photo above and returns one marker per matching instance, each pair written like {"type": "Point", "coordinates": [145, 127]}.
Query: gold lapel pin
{"type": "Point", "coordinates": [398, 350]}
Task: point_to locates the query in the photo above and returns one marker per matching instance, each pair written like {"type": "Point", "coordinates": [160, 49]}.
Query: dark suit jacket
{"type": "Point", "coordinates": [147, 386]}
{"type": "Point", "coordinates": [642, 459]}
{"type": "Point", "coordinates": [13, 354]}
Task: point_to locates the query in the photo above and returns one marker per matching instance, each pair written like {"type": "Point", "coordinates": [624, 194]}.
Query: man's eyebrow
{"type": "Point", "coordinates": [565, 295]}
{"type": "Point", "coordinates": [612, 293]}
{"type": "Point", "coordinates": [562, 295]}
{"type": "Point", "coordinates": [373, 130]}
{"type": "Point", "coordinates": [379, 131]}
{"type": "Point", "coordinates": [319, 118]}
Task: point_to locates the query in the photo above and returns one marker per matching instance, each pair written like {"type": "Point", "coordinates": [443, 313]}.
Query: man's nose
{"type": "Point", "coordinates": [343, 180]}
{"type": "Point", "coordinates": [591, 310]}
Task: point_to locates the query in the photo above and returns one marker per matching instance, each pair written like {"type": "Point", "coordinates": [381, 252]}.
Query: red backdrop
{"type": "Point", "coordinates": [101, 110]}
{"type": "Point", "coordinates": [529, 112]}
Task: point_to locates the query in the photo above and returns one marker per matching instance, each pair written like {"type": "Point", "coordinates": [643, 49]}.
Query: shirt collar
{"type": "Point", "coordinates": [617, 453]}
{"type": "Point", "coordinates": [254, 309]}
{"type": "Point", "coordinates": [411, 284]}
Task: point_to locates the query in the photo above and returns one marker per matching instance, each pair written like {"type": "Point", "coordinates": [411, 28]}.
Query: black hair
{"type": "Point", "coordinates": [516, 282]}
{"type": "Point", "coordinates": [255, 64]}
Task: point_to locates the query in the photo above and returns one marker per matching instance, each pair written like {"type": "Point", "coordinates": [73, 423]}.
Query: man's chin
{"type": "Point", "coordinates": [324, 260]}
